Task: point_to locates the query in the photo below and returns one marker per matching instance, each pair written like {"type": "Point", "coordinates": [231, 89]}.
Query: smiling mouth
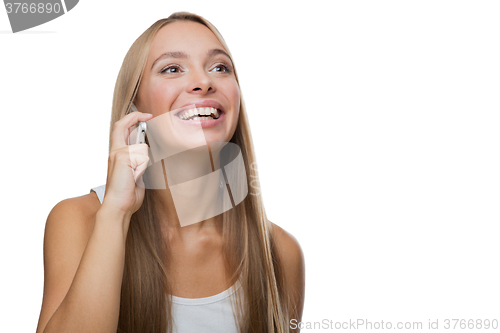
{"type": "Point", "coordinates": [202, 113]}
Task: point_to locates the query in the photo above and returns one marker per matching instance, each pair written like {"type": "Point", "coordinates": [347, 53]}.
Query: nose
{"type": "Point", "coordinates": [200, 82]}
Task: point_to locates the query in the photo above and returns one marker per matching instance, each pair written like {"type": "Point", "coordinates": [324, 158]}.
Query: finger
{"type": "Point", "coordinates": [134, 160]}
{"type": "Point", "coordinates": [141, 168]}
{"type": "Point", "coordinates": [121, 129]}
{"type": "Point", "coordinates": [140, 148]}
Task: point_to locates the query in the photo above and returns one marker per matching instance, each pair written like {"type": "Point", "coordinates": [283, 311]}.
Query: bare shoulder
{"type": "Point", "coordinates": [67, 231]}
{"type": "Point", "coordinates": [87, 203]}
{"type": "Point", "coordinates": [74, 212]}
{"type": "Point", "coordinates": [68, 228]}
{"type": "Point", "coordinates": [70, 223]}
{"type": "Point", "coordinates": [288, 246]}
{"type": "Point", "coordinates": [291, 255]}
{"type": "Point", "coordinates": [292, 259]}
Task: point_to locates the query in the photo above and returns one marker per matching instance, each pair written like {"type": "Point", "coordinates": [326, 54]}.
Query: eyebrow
{"type": "Point", "coordinates": [183, 55]}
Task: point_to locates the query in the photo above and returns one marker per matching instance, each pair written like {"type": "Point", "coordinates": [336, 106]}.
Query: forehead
{"type": "Point", "coordinates": [184, 36]}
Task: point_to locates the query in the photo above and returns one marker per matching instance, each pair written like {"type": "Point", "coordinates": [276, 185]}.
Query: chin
{"type": "Point", "coordinates": [215, 137]}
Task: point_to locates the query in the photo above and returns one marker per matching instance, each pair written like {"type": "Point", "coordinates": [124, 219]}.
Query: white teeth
{"type": "Point", "coordinates": [193, 113]}
{"type": "Point", "coordinates": [201, 118]}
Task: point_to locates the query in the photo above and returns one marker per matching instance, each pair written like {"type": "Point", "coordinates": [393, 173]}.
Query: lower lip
{"type": "Point", "coordinates": [203, 123]}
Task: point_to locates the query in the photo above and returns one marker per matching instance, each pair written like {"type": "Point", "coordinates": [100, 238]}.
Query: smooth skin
{"type": "Point", "coordinates": [84, 244]}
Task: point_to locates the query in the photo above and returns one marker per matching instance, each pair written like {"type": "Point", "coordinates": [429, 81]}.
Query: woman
{"type": "Point", "coordinates": [124, 262]}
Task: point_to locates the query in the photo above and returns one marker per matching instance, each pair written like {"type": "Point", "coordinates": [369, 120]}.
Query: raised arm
{"type": "Point", "coordinates": [84, 254]}
{"type": "Point", "coordinates": [84, 245]}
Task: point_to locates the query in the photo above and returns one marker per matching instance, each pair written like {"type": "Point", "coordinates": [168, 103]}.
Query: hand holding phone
{"type": "Point", "coordinates": [126, 165]}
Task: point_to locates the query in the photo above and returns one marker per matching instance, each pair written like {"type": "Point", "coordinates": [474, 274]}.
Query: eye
{"type": "Point", "coordinates": [222, 68]}
{"type": "Point", "coordinates": [171, 69]}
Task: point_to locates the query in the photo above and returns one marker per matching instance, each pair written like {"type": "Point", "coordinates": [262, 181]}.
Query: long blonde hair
{"type": "Point", "coordinates": [248, 246]}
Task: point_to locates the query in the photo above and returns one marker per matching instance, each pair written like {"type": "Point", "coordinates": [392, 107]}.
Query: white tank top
{"type": "Point", "coordinates": [200, 315]}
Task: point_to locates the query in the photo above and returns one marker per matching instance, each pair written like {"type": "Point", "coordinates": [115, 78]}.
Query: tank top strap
{"type": "Point", "coordinates": [99, 190]}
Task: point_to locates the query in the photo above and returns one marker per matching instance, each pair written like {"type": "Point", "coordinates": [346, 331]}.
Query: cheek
{"type": "Point", "coordinates": [162, 96]}
{"type": "Point", "coordinates": [233, 95]}
{"type": "Point", "coordinates": [236, 104]}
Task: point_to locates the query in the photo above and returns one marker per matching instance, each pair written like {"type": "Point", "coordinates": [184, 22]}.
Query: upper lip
{"type": "Point", "coordinates": [203, 103]}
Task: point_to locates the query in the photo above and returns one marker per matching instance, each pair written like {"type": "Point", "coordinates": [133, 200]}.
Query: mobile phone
{"type": "Point", "coordinates": [138, 132]}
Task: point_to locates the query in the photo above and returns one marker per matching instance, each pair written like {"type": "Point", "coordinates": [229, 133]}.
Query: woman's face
{"type": "Point", "coordinates": [187, 65]}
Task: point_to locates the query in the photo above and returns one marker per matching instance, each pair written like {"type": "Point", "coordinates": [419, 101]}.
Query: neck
{"type": "Point", "coordinates": [192, 200]}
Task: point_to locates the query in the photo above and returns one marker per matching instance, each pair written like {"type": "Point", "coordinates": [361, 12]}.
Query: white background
{"type": "Point", "coordinates": [376, 125]}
